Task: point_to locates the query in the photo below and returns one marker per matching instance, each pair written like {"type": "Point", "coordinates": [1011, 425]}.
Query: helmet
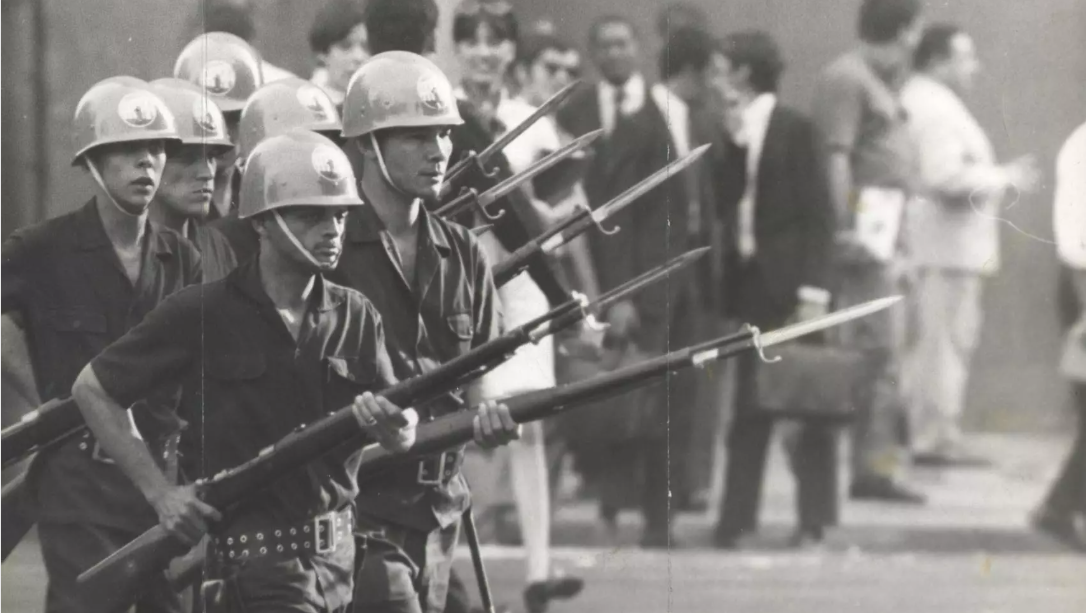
{"type": "Point", "coordinates": [224, 66]}
{"type": "Point", "coordinates": [282, 105]}
{"type": "Point", "coordinates": [398, 89]}
{"type": "Point", "coordinates": [198, 119]}
{"type": "Point", "coordinates": [296, 168]}
{"type": "Point", "coordinates": [119, 110]}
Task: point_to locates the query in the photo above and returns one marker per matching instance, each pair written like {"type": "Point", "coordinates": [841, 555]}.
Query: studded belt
{"type": "Point", "coordinates": [317, 535]}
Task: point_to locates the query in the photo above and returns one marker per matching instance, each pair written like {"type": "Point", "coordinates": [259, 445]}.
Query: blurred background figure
{"type": "Point", "coordinates": [953, 236]}
{"type": "Point", "coordinates": [779, 230]}
{"type": "Point", "coordinates": [1062, 514]}
{"type": "Point", "coordinates": [338, 39]}
{"type": "Point", "coordinates": [401, 25]}
{"type": "Point", "coordinates": [624, 452]}
{"type": "Point", "coordinates": [234, 17]}
{"type": "Point", "coordinates": [869, 160]}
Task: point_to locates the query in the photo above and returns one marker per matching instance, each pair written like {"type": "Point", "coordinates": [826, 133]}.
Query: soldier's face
{"type": "Point", "coordinates": [318, 229]}
{"type": "Point", "coordinates": [417, 158]}
{"type": "Point", "coordinates": [188, 180]}
{"type": "Point", "coordinates": [131, 172]}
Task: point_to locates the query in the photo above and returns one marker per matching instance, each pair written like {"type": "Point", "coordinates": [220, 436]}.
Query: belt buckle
{"type": "Point", "coordinates": [329, 522]}
{"type": "Point", "coordinates": [422, 469]}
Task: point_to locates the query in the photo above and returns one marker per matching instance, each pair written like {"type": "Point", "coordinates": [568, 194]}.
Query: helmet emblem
{"type": "Point", "coordinates": [430, 91]}
{"type": "Point", "coordinates": [330, 164]}
{"type": "Point", "coordinates": [218, 77]}
{"type": "Point", "coordinates": [137, 109]}
{"type": "Point", "coordinates": [205, 116]}
{"type": "Point", "coordinates": [312, 99]}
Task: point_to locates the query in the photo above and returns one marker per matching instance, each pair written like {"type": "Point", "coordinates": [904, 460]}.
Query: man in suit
{"type": "Point", "coordinates": [953, 230]}
{"type": "Point", "coordinates": [779, 229]}
{"type": "Point", "coordinates": [646, 127]}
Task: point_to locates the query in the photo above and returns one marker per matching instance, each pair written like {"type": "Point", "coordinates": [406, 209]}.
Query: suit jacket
{"type": "Point", "coordinates": [793, 222]}
{"type": "Point", "coordinates": [653, 228]}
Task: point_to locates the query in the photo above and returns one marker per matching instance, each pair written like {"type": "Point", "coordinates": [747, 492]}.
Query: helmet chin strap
{"type": "Point", "coordinates": [98, 179]}
{"type": "Point", "coordinates": [295, 241]}
{"type": "Point", "coordinates": [382, 166]}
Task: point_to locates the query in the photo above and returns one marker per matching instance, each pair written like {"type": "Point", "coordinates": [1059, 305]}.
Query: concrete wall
{"type": "Point", "coordinates": [1031, 96]}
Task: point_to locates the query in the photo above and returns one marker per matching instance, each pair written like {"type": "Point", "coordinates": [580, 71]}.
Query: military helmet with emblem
{"type": "Point", "coordinates": [224, 66]}
{"type": "Point", "coordinates": [398, 89]}
{"type": "Point", "coordinates": [120, 110]}
{"type": "Point", "coordinates": [282, 105]}
{"type": "Point", "coordinates": [198, 119]}
{"type": "Point", "coordinates": [297, 168]}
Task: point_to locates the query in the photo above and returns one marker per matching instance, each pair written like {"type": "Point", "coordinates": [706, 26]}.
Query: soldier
{"type": "Point", "coordinates": [184, 199]}
{"type": "Point", "coordinates": [432, 284]}
{"type": "Point", "coordinates": [283, 105]}
{"type": "Point", "coordinates": [74, 284]}
{"type": "Point", "coordinates": [228, 70]}
{"type": "Point", "coordinates": [271, 346]}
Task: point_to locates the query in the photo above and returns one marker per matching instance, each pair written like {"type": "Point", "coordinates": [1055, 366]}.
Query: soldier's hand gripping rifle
{"type": "Point", "coordinates": [473, 162]}
{"type": "Point", "coordinates": [579, 222]}
{"type": "Point", "coordinates": [120, 576]}
{"type": "Point", "coordinates": [470, 197]}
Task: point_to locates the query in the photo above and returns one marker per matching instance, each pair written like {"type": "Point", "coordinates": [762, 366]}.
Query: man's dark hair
{"type": "Point", "coordinates": [222, 16]}
{"type": "Point", "coordinates": [531, 48]}
{"type": "Point", "coordinates": [686, 48]}
{"type": "Point", "coordinates": [680, 15]}
{"type": "Point", "coordinates": [881, 21]}
{"type": "Point", "coordinates": [401, 25]}
{"type": "Point", "coordinates": [609, 20]}
{"type": "Point", "coordinates": [503, 25]}
{"type": "Point", "coordinates": [334, 22]}
{"type": "Point", "coordinates": [756, 49]}
{"type": "Point", "coordinates": [935, 45]}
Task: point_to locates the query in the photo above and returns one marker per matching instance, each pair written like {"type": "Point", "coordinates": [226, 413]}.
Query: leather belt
{"type": "Point", "coordinates": [317, 535]}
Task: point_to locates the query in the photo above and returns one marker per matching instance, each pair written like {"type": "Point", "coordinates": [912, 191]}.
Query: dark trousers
{"type": "Point", "coordinates": [813, 462]}
{"type": "Point", "coordinates": [1068, 493]}
{"type": "Point", "coordinates": [70, 549]}
{"type": "Point", "coordinates": [401, 569]}
{"type": "Point", "coordinates": [646, 462]}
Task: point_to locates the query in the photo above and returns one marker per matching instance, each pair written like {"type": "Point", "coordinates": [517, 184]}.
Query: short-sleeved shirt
{"type": "Point", "coordinates": [450, 308]}
{"type": "Point", "coordinates": [859, 112]}
{"type": "Point", "coordinates": [246, 383]}
{"type": "Point", "coordinates": [64, 280]}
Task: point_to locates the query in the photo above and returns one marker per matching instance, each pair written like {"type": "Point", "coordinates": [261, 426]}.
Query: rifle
{"type": "Point", "coordinates": [478, 160]}
{"type": "Point", "coordinates": [126, 570]}
{"type": "Point", "coordinates": [50, 423]}
{"type": "Point", "coordinates": [579, 222]}
{"type": "Point", "coordinates": [470, 196]}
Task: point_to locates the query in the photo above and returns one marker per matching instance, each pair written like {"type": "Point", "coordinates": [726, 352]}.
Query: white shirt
{"type": "Point", "coordinates": [1069, 207]}
{"type": "Point", "coordinates": [320, 77]}
{"type": "Point", "coordinates": [673, 109]}
{"type": "Point", "coordinates": [272, 72]}
{"type": "Point", "coordinates": [538, 140]}
{"type": "Point", "coordinates": [755, 119]}
{"type": "Point", "coordinates": [953, 221]}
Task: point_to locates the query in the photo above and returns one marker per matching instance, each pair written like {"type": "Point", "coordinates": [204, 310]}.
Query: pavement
{"type": "Point", "coordinates": [969, 550]}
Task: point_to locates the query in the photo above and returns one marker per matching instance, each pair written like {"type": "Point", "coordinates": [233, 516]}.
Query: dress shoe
{"type": "Point", "coordinates": [729, 539]}
{"type": "Point", "coordinates": [657, 539]}
{"type": "Point", "coordinates": [884, 490]}
{"type": "Point", "coordinates": [537, 595]}
{"type": "Point", "coordinates": [1060, 527]}
{"type": "Point", "coordinates": [808, 539]}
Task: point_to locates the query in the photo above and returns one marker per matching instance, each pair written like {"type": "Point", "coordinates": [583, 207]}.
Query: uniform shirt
{"type": "Point", "coordinates": [217, 255]}
{"type": "Point", "coordinates": [447, 310]}
{"type": "Point", "coordinates": [246, 383]}
{"type": "Point", "coordinates": [857, 111]}
{"type": "Point", "coordinates": [240, 235]}
{"type": "Point", "coordinates": [64, 280]}
{"type": "Point", "coordinates": [953, 223]}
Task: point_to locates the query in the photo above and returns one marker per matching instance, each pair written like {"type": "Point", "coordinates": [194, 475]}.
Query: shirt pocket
{"type": "Point", "coordinates": [460, 327]}
{"type": "Point", "coordinates": [346, 378]}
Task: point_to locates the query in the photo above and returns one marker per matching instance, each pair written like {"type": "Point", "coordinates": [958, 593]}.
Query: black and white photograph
{"type": "Point", "coordinates": [528, 306]}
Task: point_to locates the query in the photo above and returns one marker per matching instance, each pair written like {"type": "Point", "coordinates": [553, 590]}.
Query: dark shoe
{"type": "Point", "coordinates": [538, 594]}
{"type": "Point", "coordinates": [729, 539]}
{"type": "Point", "coordinates": [657, 539]}
{"type": "Point", "coordinates": [807, 539]}
{"type": "Point", "coordinates": [933, 459]}
{"type": "Point", "coordinates": [1060, 528]}
{"type": "Point", "coordinates": [884, 490]}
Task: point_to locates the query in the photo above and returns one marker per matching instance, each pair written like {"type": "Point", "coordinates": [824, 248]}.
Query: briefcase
{"type": "Point", "coordinates": [810, 382]}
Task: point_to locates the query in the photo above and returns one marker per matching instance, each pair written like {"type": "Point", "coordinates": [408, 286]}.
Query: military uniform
{"type": "Point", "coordinates": [64, 281]}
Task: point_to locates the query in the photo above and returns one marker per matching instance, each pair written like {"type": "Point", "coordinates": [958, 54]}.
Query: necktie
{"type": "Point", "coordinates": [618, 104]}
{"type": "Point", "coordinates": [747, 241]}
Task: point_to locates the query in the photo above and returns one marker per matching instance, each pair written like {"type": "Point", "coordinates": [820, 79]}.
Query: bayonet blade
{"type": "Point", "coordinates": [610, 208]}
{"type": "Point", "coordinates": [836, 318]}
{"type": "Point", "coordinates": [546, 108]}
{"type": "Point", "coordinates": [506, 186]}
